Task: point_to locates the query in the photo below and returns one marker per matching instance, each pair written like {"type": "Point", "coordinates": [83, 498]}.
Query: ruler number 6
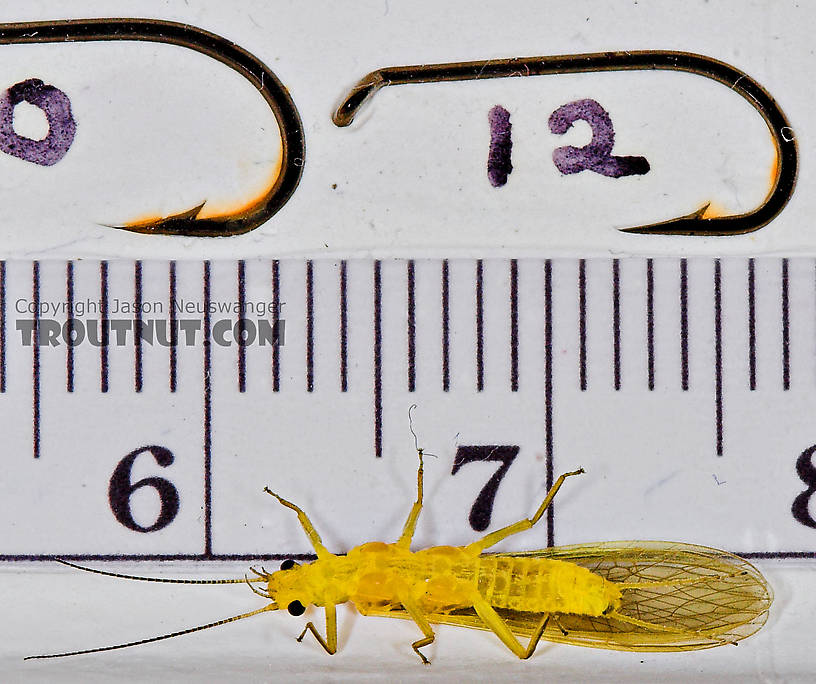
{"type": "Point", "coordinates": [121, 489]}
{"type": "Point", "coordinates": [483, 506]}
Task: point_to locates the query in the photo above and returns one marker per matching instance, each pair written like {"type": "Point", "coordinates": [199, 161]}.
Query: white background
{"type": "Point", "coordinates": [400, 195]}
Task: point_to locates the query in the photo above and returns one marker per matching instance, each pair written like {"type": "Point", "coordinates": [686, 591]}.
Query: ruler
{"type": "Point", "coordinates": [152, 412]}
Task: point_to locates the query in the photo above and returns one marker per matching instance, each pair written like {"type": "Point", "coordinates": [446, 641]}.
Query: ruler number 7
{"type": "Point", "coordinates": [121, 489]}
{"type": "Point", "coordinates": [483, 506]}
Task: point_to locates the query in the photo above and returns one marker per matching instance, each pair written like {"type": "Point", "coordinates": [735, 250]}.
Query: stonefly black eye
{"type": "Point", "coordinates": [287, 564]}
{"type": "Point", "coordinates": [296, 608]}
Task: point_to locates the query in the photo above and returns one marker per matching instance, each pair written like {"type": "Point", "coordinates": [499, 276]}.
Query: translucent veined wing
{"type": "Point", "coordinates": [700, 598]}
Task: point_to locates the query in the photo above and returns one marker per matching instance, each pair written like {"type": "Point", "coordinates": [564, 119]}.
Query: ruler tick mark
{"type": "Point", "coordinates": [343, 327]}
{"type": "Point", "coordinates": [242, 326]}
{"type": "Point", "coordinates": [69, 305]}
{"type": "Point", "coordinates": [411, 305]}
{"type": "Point", "coordinates": [137, 326]}
{"type": "Point", "coordinates": [173, 329]}
{"type": "Point", "coordinates": [752, 361]}
{"type": "Point", "coordinates": [616, 322]}
{"type": "Point", "coordinates": [650, 328]}
{"type": "Point", "coordinates": [718, 368]}
{"type": "Point", "coordinates": [35, 361]}
{"type": "Point", "coordinates": [514, 326]}
{"type": "Point", "coordinates": [207, 414]}
{"type": "Point", "coordinates": [119, 557]}
{"type": "Point", "coordinates": [377, 324]}
{"type": "Point", "coordinates": [582, 325]}
{"type": "Point", "coordinates": [548, 395]}
{"type": "Point", "coordinates": [684, 326]}
{"type": "Point", "coordinates": [275, 324]}
{"type": "Point", "coordinates": [479, 326]}
{"type": "Point", "coordinates": [445, 326]}
{"type": "Point", "coordinates": [220, 557]}
{"type": "Point", "coordinates": [103, 322]}
{"type": "Point", "coordinates": [309, 326]}
{"type": "Point", "coordinates": [786, 365]}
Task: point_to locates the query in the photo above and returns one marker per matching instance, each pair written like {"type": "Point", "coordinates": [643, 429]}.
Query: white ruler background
{"type": "Point", "coordinates": [684, 387]}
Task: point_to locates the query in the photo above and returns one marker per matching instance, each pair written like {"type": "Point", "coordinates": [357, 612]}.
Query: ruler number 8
{"type": "Point", "coordinates": [121, 489]}
{"type": "Point", "coordinates": [807, 473]}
